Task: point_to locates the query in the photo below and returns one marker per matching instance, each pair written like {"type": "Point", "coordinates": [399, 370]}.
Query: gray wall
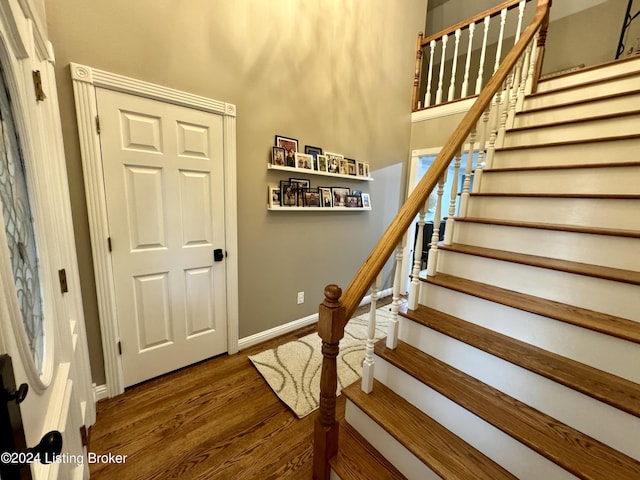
{"type": "Point", "coordinates": [331, 73]}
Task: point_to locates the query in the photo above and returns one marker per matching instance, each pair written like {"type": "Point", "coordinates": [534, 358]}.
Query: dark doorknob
{"type": "Point", "coordinates": [46, 451]}
{"type": "Point", "coordinates": [218, 255]}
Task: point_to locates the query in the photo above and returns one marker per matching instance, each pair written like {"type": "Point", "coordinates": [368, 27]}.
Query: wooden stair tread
{"type": "Point", "coordinates": [560, 106]}
{"type": "Point", "coordinates": [357, 458]}
{"type": "Point", "coordinates": [443, 452]}
{"type": "Point", "coordinates": [538, 168]}
{"type": "Point", "coordinates": [605, 387]}
{"type": "Point", "coordinates": [596, 321]}
{"type": "Point", "coordinates": [577, 121]}
{"type": "Point", "coordinates": [604, 196]}
{"type": "Point", "coordinates": [567, 143]}
{"type": "Point", "coordinates": [598, 81]}
{"type": "Point", "coordinates": [617, 232]}
{"type": "Point", "coordinates": [577, 453]}
{"type": "Point", "coordinates": [598, 271]}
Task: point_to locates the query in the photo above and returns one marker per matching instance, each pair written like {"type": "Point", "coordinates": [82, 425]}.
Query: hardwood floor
{"type": "Point", "coordinates": [215, 420]}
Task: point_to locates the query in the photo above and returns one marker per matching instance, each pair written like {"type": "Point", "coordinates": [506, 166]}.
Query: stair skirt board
{"type": "Point", "coordinates": [603, 422]}
{"type": "Point", "coordinates": [591, 74]}
{"type": "Point", "coordinates": [580, 344]}
{"type": "Point", "coordinates": [387, 445]}
{"type": "Point", "coordinates": [616, 180]}
{"type": "Point", "coordinates": [583, 92]}
{"type": "Point", "coordinates": [570, 132]}
{"type": "Point", "coordinates": [621, 252]}
{"type": "Point", "coordinates": [614, 298]}
{"type": "Point", "coordinates": [623, 103]}
{"type": "Point", "coordinates": [569, 154]}
{"type": "Point", "coordinates": [604, 212]}
{"type": "Point", "coordinates": [521, 461]}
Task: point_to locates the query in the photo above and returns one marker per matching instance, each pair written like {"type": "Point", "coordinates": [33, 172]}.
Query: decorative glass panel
{"type": "Point", "coordinates": [18, 224]}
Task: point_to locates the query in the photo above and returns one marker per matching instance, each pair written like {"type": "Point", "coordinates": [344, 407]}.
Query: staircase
{"type": "Point", "coordinates": [522, 359]}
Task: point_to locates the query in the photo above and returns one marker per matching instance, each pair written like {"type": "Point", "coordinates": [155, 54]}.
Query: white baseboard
{"type": "Point", "coordinates": [272, 333]}
{"type": "Point", "coordinates": [100, 392]}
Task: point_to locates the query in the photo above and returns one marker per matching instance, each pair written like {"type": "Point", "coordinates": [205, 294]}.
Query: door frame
{"type": "Point", "coordinates": [85, 80]}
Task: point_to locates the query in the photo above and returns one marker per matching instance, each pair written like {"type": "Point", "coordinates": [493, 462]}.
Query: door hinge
{"type": "Point", "coordinates": [98, 124]}
{"type": "Point", "coordinates": [119, 347]}
{"type": "Point", "coordinates": [109, 244]}
{"type": "Point", "coordinates": [62, 275]}
{"type": "Point", "coordinates": [37, 83]}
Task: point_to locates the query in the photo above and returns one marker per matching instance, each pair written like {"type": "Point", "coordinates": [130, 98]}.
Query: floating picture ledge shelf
{"type": "Point", "coordinates": [322, 174]}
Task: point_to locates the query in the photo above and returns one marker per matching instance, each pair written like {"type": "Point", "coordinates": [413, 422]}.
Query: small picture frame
{"type": "Point", "coordinates": [344, 167]}
{"type": "Point", "coordinates": [288, 194]}
{"type": "Point", "coordinates": [277, 156]}
{"type": "Point", "coordinates": [290, 146]}
{"type": "Point", "coordinates": [360, 169]}
{"type": "Point", "coordinates": [367, 173]}
{"type": "Point", "coordinates": [298, 184]}
{"type": "Point", "coordinates": [340, 196]}
{"type": "Point", "coordinates": [351, 201]}
{"type": "Point", "coordinates": [351, 166]}
{"type": "Point", "coordinates": [322, 163]}
{"type": "Point", "coordinates": [274, 197]}
{"type": "Point", "coordinates": [333, 162]}
{"type": "Point", "coordinates": [311, 197]}
{"type": "Point", "coordinates": [326, 198]}
{"type": "Point", "coordinates": [314, 151]}
{"type": "Point", "coordinates": [366, 200]}
{"type": "Point", "coordinates": [304, 161]}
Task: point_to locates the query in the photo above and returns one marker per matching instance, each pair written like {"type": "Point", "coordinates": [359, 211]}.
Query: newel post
{"type": "Point", "coordinates": [415, 103]}
{"type": "Point", "coordinates": [331, 330]}
{"type": "Point", "coordinates": [542, 41]}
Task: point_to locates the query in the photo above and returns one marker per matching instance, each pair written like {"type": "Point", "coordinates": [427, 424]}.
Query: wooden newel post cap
{"type": "Point", "coordinates": [332, 294]}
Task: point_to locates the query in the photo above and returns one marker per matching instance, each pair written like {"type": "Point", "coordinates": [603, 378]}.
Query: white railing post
{"type": "Point", "coordinates": [515, 89]}
{"type": "Point", "coordinates": [367, 366]}
{"type": "Point", "coordinates": [525, 74]}
{"type": "Point", "coordinates": [453, 199]}
{"type": "Point", "coordinates": [465, 81]}
{"type": "Point", "coordinates": [427, 95]}
{"type": "Point", "coordinates": [414, 288]}
{"type": "Point", "coordinates": [503, 19]}
{"type": "Point", "coordinates": [532, 64]}
{"type": "Point", "coordinates": [483, 53]}
{"type": "Point", "coordinates": [445, 39]}
{"type": "Point", "coordinates": [432, 258]}
{"type": "Point", "coordinates": [504, 110]}
{"type": "Point", "coordinates": [454, 68]}
{"type": "Point", "coordinates": [521, 7]}
{"type": "Point", "coordinates": [466, 187]}
{"type": "Point", "coordinates": [392, 332]}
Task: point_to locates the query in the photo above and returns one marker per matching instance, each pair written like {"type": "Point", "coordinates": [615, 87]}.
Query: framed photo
{"type": "Point", "coordinates": [311, 197]}
{"type": "Point", "coordinates": [340, 196]}
{"type": "Point", "coordinates": [366, 170]}
{"type": "Point", "coordinates": [351, 166]}
{"type": "Point", "coordinates": [344, 167]}
{"type": "Point", "coordinates": [304, 160]}
{"type": "Point", "coordinates": [322, 163]}
{"type": "Point", "coordinates": [326, 199]}
{"type": "Point", "coordinates": [290, 146]}
{"type": "Point", "coordinates": [298, 184]}
{"type": "Point", "coordinates": [274, 197]}
{"type": "Point", "coordinates": [333, 162]}
{"type": "Point", "coordinates": [366, 201]}
{"type": "Point", "coordinates": [277, 156]}
{"type": "Point", "coordinates": [288, 194]}
{"type": "Point", "coordinates": [352, 201]}
{"type": "Point", "coordinates": [314, 151]}
{"type": "Point", "coordinates": [360, 169]}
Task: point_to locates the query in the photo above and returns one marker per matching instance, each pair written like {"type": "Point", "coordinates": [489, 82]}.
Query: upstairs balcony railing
{"type": "Point", "coordinates": [482, 128]}
{"type": "Point", "coordinates": [456, 62]}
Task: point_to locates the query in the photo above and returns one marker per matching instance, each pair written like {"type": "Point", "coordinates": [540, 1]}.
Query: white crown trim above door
{"type": "Point", "coordinates": [85, 81]}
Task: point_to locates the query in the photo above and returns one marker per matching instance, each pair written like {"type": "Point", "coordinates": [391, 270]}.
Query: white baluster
{"type": "Point", "coordinates": [367, 366]}
{"type": "Point", "coordinates": [482, 154]}
{"type": "Point", "coordinates": [503, 19]}
{"type": "Point", "coordinates": [515, 88]}
{"type": "Point", "coordinates": [432, 259]}
{"type": "Point", "coordinates": [466, 187]}
{"type": "Point", "coordinates": [483, 53]}
{"type": "Point", "coordinates": [523, 81]}
{"type": "Point", "coordinates": [454, 68]}
{"type": "Point", "coordinates": [532, 65]}
{"type": "Point", "coordinates": [445, 39]}
{"type": "Point", "coordinates": [465, 81]}
{"type": "Point", "coordinates": [521, 6]}
{"type": "Point", "coordinates": [493, 126]}
{"type": "Point", "coordinates": [414, 288]}
{"type": "Point", "coordinates": [427, 96]}
{"type": "Point", "coordinates": [392, 332]}
{"type": "Point", "coordinates": [504, 110]}
{"type": "Point", "coordinates": [448, 231]}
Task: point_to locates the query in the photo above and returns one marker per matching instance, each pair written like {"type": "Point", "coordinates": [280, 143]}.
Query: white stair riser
{"type": "Point", "coordinates": [603, 250]}
{"type": "Point", "coordinates": [571, 132]}
{"type": "Point", "coordinates": [495, 444]}
{"type": "Point", "coordinates": [611, 151]}
{"type": "Point", "coordinates": [586, 92]}
{"type": "Point", "coordinates": [595, 212]}
{"type": "Point", "coordinates": [590, 75]}
{"type": "Point", "coordinates": [579, 344]}
{"type": "Point", "coordinates": [617, 105]}
{"type": "Point", "coordinates": [615, 298]}
{"type": "Point", "coordinates": [405, 461]}
{"type": "Point", "coordinates": [598, 420]}
{"type": "Point", "coordinates": [624, 180]}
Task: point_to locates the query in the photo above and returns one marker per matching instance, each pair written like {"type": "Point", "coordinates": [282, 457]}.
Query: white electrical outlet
{"type": "Point", "coordinates": [300, 297]}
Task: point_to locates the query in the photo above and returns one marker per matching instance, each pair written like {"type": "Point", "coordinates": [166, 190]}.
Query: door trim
{"type": "Point", "coordinates": [85, 80]}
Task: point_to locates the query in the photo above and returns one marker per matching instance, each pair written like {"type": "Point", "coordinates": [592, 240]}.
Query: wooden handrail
{"type": "Point", "coordinates": [464, 24]}
{"type": "Point", "coordinates": [338, 307]}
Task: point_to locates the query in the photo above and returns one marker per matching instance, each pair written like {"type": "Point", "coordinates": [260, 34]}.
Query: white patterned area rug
{"type": "Point", "coordinates": [292, 370]}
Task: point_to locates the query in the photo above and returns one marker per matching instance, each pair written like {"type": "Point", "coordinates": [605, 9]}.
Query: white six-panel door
{"type": "Point", "coordinates": [164, 185]}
